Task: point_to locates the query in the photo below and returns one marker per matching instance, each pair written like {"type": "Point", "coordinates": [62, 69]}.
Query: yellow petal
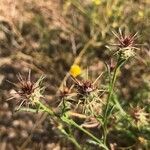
{"type": "Point", "coordinates": [97, 2]}
{"type": "Point", "coordinates": [75, 70]}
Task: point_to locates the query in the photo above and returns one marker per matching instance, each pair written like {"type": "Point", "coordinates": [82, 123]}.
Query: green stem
{"type": "Point", "coordinates": [71, 122]}
{"type": "Point", "coordinates": [51, 113]}
{"type": "Point", "coordinates": [111, 88]}
{"type": "Point", "coordinates": [48, 110]}
{"type": "Point", "coordinates": [71, 138]}
{"type": "Point", "coordinates": [45, 108]}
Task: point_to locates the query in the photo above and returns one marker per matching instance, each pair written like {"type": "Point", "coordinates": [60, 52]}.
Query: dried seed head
{"type": "Point", "coordinates": [126, 44]}
{"type": "Point", "coordinates": [139, 115]}
{"type": "Point", "coordinates": [26, 86]}
{"type": "Point", "coordinates": [27, 91]}
{"type": "Point", "coordinates": [124, 40]}
{"type": "Point", "coordinates": [87, 99]}
{"type": "Point", "coordinates": [83, 87]}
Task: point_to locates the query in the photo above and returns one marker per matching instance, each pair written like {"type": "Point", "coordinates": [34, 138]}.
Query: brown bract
{"type": "Point", "coordinates": [65, 92]}
{"type": "Point", "coordinates": [83, 87]}
{"type": "Point", "coordinates": [26, 86]}
{"type": "Point", "coordinates": [125, 40]}
{"type": "Point", "coordinates": [25, 90]}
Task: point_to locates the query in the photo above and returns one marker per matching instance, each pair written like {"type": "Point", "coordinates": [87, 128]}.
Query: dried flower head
{"type": "Point", "coordinates": [26, 86]}
{"type": "Point", "coordinates": [27, 91]}
{"type": "Point", "coordinates": [139, 115]}
{"type": "Point", "coordinates": [124, 40]}
{"type": "Point", "coordinates": [88, 101]}
{"type": "Point", "coordinates": [83, 87]}
{"type": "Point", "coordinates": [126, 44]}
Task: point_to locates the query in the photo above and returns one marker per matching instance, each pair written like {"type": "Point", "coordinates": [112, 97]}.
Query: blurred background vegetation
{"type": "Point", "coordinates": [47, 36]}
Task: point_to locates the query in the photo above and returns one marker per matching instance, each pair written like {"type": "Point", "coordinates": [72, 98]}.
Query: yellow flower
{"type": "Point", "coordinates": [141, 14]}
{"type": "Point", "coordinates": [97, 2]}
{"type": "Point", "coordinates": [75, 70]}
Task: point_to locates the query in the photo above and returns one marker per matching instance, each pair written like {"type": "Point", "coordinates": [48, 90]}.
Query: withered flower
{"type": "Point", "coordinates": [26, 86]}
{"type": "Point", "coordinates": [83, 87]}
{"type": "Point", "coordinates": [124, 40]}
{"type": "Point", "coordinates": [139, 116]}
{"type": "Point", "coordinates": [27, 91]}
{"type": "Point", "coordinates": [87, 101]}
{"type": "Point", "coordinates": [126, 44]}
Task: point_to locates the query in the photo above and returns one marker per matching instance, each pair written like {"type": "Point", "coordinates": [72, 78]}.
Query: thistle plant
{"type": "Point", "coordinates": [125, 50]}
{"type": "Point", "coordinates": [27, 92]}
{"type": "Point", "coordinates": [81, 104]}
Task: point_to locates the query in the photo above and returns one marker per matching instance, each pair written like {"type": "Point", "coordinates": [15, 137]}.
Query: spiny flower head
{"type": "Point", "coordinates": [27, 91]}
{"type": "Point", "coordinates": [26, 86]}
{"type": "Point", "coordinates": [83, 87]}
{"type": "Point", "coordinates": [75, 70]}
{"type": "Point", "coordinates": [126, 44]}
{"type": "Point", "coordinates": [124, 40]}
{"type": "Point", "coordinates": [139, 115]}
